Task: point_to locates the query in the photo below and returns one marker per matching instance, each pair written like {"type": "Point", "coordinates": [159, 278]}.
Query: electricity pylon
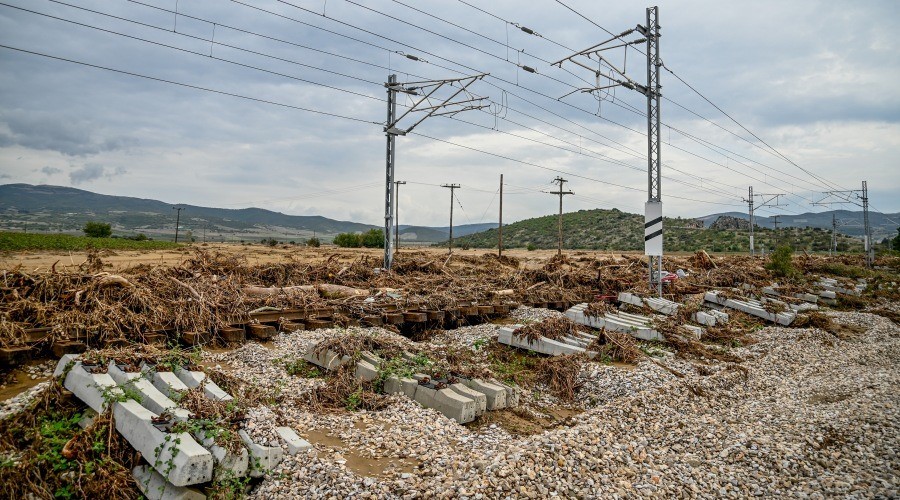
{"type": "Point", "coordinates": [851, 196]}
{"type": "Point", "coordinates": [613, 76]}
{"type": "Point", "coordinates": [430, 105]}
{"type": "Point", "coordinates": [768, 200]}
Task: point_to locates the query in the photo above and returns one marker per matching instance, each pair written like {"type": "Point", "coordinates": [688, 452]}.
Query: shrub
{"type": "Point", "coordinates": [373, 238]}
{"type": "Point", "coordinates": [347, 240]}
{"type": "Point", "coordinates": [97, 230]}
{"type": "Point", "coordinates": [780, 261]}
{"type": "Point", "coordinates": [531, 247]}
{"type": "Point", "coordinates": [313, 242]}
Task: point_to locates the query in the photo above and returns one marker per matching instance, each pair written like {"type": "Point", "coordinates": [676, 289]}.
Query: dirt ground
{"type": "Point", "coordinates": [41, 261]}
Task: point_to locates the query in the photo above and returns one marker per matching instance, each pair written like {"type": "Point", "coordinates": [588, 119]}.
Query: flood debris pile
{"type": "Point", "coordinates": [153, 422]}
{"type": "Point", "coordinates": [377, 367]}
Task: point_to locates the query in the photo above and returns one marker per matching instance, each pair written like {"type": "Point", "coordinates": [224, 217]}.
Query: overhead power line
{"type": "Point", "coordinates": [186, 85]}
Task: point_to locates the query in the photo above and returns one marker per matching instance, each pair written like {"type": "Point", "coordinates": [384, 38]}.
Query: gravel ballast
{"type": "Point", "coordinates": [809, 414]}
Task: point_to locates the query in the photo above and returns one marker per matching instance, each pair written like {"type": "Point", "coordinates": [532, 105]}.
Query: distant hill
{"type": "Point", "coordinates": [849, 222]}
{"type": "Point", "coordinates": [617, 231]}
{"type": "Point", "coordinates": [65, 209]}
{"type": "Point", "coordinates": [420, 233]}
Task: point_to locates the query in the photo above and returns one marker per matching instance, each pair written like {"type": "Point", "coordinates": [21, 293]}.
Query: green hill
{"type": "Point", "coordinates": [620, 231]}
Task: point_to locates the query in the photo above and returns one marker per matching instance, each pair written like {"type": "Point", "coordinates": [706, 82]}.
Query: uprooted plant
{"type": "Point", "coordinates": [551, 328]}
{"type": "Point", "coordinates": [560, 373]}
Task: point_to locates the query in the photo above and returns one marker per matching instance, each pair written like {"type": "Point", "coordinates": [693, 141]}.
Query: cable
{"type": "Point", "coordinates": [523, 162]}
{"type": "Point", "coordinates": [280, 74]}
{"type": "Point", "coordinates": [196, 87]}
{"type": "Point", "coordinates": [201, 53]}
{"type": "Point", "coordinates": [406, 45]}
{"type": "Point", "coordinates": [456, 197]}
{"type": "Point", "coordinates": [470, 46]}
{"type": "Point", "coordinates": [775, 151]}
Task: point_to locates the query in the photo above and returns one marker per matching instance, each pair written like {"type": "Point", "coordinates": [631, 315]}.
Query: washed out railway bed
{"type": "Point", "coordinates": [320, 375]}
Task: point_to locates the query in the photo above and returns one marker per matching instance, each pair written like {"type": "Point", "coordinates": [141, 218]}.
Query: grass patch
{"type": "Point", "coordinates": [14, 242]}
{"type": "Point", "coordinates": [302, 368]}
{"type": "Point", "coordinates": [513, 366]}
{"type": "Point", "coordinates": [44, 453]}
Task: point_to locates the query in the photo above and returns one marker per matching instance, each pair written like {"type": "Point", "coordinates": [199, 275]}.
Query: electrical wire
{"type": "Point", "coordinates": [186, 85]}
{"type": "Point", "coordinates": [289, 76]}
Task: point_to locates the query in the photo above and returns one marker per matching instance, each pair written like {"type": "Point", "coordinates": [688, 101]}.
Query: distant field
{"type": "Point", "coordinates": [11, 242]}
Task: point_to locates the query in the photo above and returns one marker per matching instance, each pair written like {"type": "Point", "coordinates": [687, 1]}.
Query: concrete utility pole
{"type": "Point", "coordinates": [452, 187]}
{"type": "Point", "coordinates": [500, 225]}
{"type": "Point", "coordinates": [397, 214]}
{"type": "Point", "coordinates": [560, 181]}
{"type": "Point", "coordinates": [653, 220]}
{"type": "Point", "coordinates": [426, 89]}
{"type": "Point", "coordinates": [847, 196]}
{"type": "Point", "coordinates": [177, 220]}
{"type": "Point", "coordinates": [768, 200]}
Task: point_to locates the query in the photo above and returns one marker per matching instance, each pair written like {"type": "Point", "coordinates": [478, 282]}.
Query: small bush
{"type": "Point", "coordinates": [97, 230]}
{"type": "Point", "coordinates": [373, 238]}
{"type": "Point", "coordinates": [313, 242]}
{"type": "Point", "coordinates": [531, 247]}
{"type": "Point", "coordinates": [780, 262]}
{"type": "Point", "coordinates": [347, 240]}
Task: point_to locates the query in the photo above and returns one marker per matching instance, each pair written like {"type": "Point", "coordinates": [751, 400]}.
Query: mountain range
{"type": "Point", "coordinates": [65, 209]}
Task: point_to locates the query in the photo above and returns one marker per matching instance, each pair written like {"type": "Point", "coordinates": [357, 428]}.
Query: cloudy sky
{"type": "Point", "coordinates": [212, 106]}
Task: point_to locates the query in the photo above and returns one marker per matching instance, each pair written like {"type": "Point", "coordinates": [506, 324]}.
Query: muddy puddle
{"type": "Point", "coordinates": [363, 466]}
{"type": "Point", "coordinates": [518, 422]}
{"type": "Point", "coordinates": [17, 382]}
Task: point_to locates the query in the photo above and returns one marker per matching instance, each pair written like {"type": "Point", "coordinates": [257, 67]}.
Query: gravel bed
{"type": "Point", "coordinates": [812, 416]}
{"type": "Point", "coordinates": [525, 314]}
{"type": "Point", "coordinates": [17, 403]}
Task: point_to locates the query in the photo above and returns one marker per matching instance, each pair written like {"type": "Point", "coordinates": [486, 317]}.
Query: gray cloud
{"type": "Point", "coordinates": [820, 91]}
{"type": "Point", "coordinates": [86, 173]}
{"type": "Point", "coordinates": [51, 170]}
{"type": "Point", "coordinates": [49, 131]}
{"type": "Point", "coordinates": [93, 171]}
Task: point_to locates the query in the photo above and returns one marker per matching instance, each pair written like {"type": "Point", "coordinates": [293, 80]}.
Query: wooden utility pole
{"type": "Point", "coordinates": [177, 220]}
{"type": "Point", "coordinates": [500, 226]}
{"type": "Point", "coordinates": [452, 187]}
{"type": "Point", "coordinates": [560, 181]}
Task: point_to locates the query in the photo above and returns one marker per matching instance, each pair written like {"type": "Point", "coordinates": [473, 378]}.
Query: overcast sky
{"type": "Point", "coordinates": [815, 80]}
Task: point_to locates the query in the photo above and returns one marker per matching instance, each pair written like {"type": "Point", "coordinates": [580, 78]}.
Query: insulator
{"type": "Point", "coordinates": [526, 30]}
{"type": "Point", "coordinates": [410, 56]}
{"type": "Point", "coordinates": [529, 69]}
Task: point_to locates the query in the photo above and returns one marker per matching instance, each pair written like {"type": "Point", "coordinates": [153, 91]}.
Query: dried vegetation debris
{"type": "Point", "coordinates": [551, 328]}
